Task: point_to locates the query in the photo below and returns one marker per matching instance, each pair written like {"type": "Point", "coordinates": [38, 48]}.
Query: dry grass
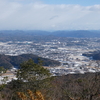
{"type": "Point", "coordinates": [31, 96]}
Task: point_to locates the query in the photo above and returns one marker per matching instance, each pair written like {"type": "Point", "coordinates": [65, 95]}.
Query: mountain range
{"type": "Point", "coordinates": [22, 35]}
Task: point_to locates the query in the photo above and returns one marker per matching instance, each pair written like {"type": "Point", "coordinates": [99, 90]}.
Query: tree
{"type": "Point", "coordinates": [32, 73]}
{"type": "Point", "coordinates": [2, 70]}
{"type": "Point", "coordinates": [3, 79]}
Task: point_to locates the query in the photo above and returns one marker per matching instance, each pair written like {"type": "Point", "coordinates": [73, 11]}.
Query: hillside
{"type": "Point", "coordinates": [94, 55]}
{"type": "Point", "coordinates": [9, 61]}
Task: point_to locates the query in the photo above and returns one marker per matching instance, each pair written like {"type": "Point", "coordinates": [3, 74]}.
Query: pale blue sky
{"type": "Point", "coordinates": [80, 2]}
{"type": "Point", "coordinates": [50, 14]}
{"type": "Point", "coordinates": [74, 2]}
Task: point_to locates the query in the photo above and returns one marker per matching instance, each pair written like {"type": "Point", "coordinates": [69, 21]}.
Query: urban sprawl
{"type": "Point", "coordinates": [68, 51]}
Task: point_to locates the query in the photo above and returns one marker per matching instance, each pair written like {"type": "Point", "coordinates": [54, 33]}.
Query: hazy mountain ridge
{"type": "Point", "coordinates": [78, 34]}
{"type": "Point", "coordinates": [39, 34]}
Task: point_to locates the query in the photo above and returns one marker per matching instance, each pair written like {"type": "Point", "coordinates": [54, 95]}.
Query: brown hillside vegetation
{"type": "Point", "coordinates": [70, 87]}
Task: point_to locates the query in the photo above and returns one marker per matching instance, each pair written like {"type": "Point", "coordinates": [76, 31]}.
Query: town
{"type": "Point", "coordinates": [68, 51]}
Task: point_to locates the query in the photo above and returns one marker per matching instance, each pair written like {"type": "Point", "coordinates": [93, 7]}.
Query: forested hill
{"type": "Point", "coordinates": [94, 55]}
{"type": "Point", "coordinates": [9, 61]}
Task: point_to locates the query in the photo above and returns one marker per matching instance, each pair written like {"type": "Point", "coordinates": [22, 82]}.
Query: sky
{"type": "Point", "coordinates": [49, 14]}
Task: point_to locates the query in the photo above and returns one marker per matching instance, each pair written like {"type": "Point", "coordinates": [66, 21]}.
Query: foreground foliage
{"type": "Point", "coordinates": [33, 79]}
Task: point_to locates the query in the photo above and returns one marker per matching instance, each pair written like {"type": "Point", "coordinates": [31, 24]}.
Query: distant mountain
{"type": "Point", "coordinates": [10, 61]}
{"type": "Point", "coordinates": [8, 35]}
{"type": "Point", "coordinates": [77, 34]}
{"type": "Point", "coordinates": [20, 35]}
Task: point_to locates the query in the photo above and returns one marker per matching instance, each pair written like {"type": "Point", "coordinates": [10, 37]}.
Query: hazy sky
{"type": "Point", "coordinates": [50, 14]}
